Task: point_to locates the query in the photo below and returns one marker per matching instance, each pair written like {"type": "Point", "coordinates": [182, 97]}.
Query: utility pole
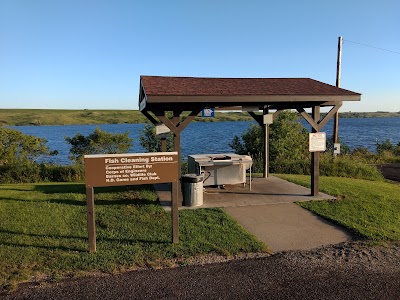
{"type": "Point", "coordinates": [336, 119]}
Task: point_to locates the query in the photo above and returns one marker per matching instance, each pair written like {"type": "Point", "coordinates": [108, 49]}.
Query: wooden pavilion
{"type": "Point", "coordinates": [263, 98]}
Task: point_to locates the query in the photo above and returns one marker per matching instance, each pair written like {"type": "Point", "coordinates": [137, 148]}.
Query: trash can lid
{"type": "Point", "coordinates": [192, 178]}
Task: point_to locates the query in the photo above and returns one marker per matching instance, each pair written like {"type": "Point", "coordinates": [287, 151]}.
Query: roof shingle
{"type": "Point", "coordinates": [200, 86]}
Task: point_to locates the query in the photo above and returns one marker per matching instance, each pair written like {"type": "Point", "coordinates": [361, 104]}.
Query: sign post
{"type": "Point", "coordinates": [130, 169]}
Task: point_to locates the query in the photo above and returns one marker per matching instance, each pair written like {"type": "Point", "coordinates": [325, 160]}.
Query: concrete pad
{"type": "Point", "coordinates": [267, 211]}
{"type": "Point", "coordinates": [271, 190]}
{"type": "Point", "coordinates": [287, 226]}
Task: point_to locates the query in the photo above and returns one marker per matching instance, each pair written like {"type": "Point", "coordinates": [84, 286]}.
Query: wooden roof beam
{"type": "Point", "coordinates": [319, 124]}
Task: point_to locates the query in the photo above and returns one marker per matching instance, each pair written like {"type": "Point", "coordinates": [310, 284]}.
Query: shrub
{"type": "Point", "coordinates": [19, 173]}
{"type": "Point", "coordinates": [58, 173]}
{"type": "Point", "coordinates": [348, 166]}
{"type": "Point", "coordinates": [387, 152]}
{"type": "Point", "coordinates": [288, 144]}
{"type": "Point", "coordinates": [288, 166]}
{"type": "Point", "coordinates": [34, 172]}
{"type": "Point", "coordinates": [384, 146]}
{"type": "Point", "coordinates": [149, 140]}
{"type": "Point", "coordinates": [16, 147]}
{"type": "Point", "coordinates": [98, 142]}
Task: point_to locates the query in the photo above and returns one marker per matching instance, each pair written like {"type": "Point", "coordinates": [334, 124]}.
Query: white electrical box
{"type": "Point", "coordinates": [268, 119]}
{"type": "Point", "coordinates": [336, 148]}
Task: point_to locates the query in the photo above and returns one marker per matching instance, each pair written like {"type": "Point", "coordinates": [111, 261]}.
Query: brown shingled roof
{"type": "Point", "coordinates": [197, 86]}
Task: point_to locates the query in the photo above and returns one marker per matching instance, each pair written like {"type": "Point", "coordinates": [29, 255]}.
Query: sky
{"type": "Point", "coordinates": [88, 54]}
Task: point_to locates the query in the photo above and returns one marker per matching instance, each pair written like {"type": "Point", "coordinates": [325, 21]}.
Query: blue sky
{"type": "Point", "coordinates": [90, 54]}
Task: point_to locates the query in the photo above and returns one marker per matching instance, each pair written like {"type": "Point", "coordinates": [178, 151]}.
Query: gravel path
{"type": "Point", "coordinates": [345, 271]}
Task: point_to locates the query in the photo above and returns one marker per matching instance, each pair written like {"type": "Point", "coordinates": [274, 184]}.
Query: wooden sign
{"type": "Point", "coordinates": [130, 169]}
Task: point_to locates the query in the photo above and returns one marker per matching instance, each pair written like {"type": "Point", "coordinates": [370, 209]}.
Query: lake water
{"type": "Point", "coordinates": [214, 137]}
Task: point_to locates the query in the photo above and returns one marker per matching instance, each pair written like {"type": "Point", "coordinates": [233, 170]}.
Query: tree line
{"type": "Point", "coordinates": [288, 151]}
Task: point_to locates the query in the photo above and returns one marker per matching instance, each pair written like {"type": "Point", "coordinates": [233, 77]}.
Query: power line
{"type": "Point", "coordinates": [372, 47]}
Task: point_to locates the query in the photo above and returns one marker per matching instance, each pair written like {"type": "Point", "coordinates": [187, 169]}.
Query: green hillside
{"type": "Point", "coordinates": [36, 117]}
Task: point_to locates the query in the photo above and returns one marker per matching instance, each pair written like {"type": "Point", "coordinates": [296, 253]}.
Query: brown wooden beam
{"type": "Point", "coordinates": [257, 118]}
{"type": "Point", "coordinates": [276, 114]}
{"type": "Point", "coordinates": [329, 115]}
{"type": "Point", "coordinates": [314, 123]}
{"type": "Point", "coordinates": [163, 144]}
{"type": "Point", "coordinates": [175, 211]}
{"type": "Point", "coordinates": [150, 117]}
{"type": "Point", "coordinates": [91, 223]}
{"type": "Point", "coordinates": [189, 119]}
{"type": "Point", "coordinates": [315, 157]}
{"type": "Point", "coordinates": [177, 148]}
{"type": "Point", "coordinates": [167, 122]}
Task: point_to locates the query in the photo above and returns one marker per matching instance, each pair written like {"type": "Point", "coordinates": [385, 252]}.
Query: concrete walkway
{"type": "Point", "coordinates": [268, 212]}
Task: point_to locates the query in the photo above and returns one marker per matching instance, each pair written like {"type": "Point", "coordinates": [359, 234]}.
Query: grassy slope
{"type": "Point", "coordinates": [67, 117]}
{"type": "Point", "coordinates": [379, 114]}
{"type": "Point", "coordinates": [43, 231]}
{"type": "Point", "coordinates": [370, 208]}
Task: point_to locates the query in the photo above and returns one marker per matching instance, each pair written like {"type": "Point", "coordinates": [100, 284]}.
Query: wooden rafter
{"type": "Point", "coordinates": [320, 123]}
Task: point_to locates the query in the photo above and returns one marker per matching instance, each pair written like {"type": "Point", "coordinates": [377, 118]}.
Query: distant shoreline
{"type": "Point", "coordinates": [37, 117]}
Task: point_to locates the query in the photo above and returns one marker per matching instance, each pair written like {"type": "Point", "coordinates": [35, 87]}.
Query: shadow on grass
{"type": "Point", "coordinates": [79, 188]}
{"type": "Point", "coordinates": [352, 233]}
{"type": "Point", "coordinates": [102, 202]}
{"type": "Point", "coordinates": [75, 188]}
{"type": "Point", "coordinates": [65, 248]}
{"type": "Point", "coordinates": [127, 197]}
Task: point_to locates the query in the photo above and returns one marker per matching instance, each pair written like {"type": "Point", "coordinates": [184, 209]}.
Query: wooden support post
{"type": "Point", "coordinates": [175, 213]}
{"type": "Point", "coordinates": [176, 126]}
{"type": "Point", "coordinates": [266, 145]}
{"type": "Point", "coordinates": [259, 118]}
{"type": "Point", "coordinates": [315, 157]}
{"type": "Point", "coordinates": [266, 150]}
{"type": "Point", "coordinates": [91, 225]}
{"type": "Point", "coordinates": [163, 144]}
{"type": "Point", "coordinates": [177, 148]}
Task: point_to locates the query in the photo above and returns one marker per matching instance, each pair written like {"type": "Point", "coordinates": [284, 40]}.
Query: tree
{"type": "Point", "coordinates": [16, 147]}
{"type": "Point", "coordinates": [288, 138]}
{"type": "Point", "coordinates": [288, 141]}
{"type": "Point", "coordinates": [98, 142]}
{"type": "Point", "coordinates": [149, 141]}
{"type": "Point", "coordinates": [386, 145]}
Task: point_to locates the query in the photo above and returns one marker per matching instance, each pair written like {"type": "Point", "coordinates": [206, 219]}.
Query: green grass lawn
{"type": "Point", "coordinates": [43, 232]}
{"type": "Point", "coordinates": [369, 208]}
{"type": "Point", "coordinates": [43, 226]}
